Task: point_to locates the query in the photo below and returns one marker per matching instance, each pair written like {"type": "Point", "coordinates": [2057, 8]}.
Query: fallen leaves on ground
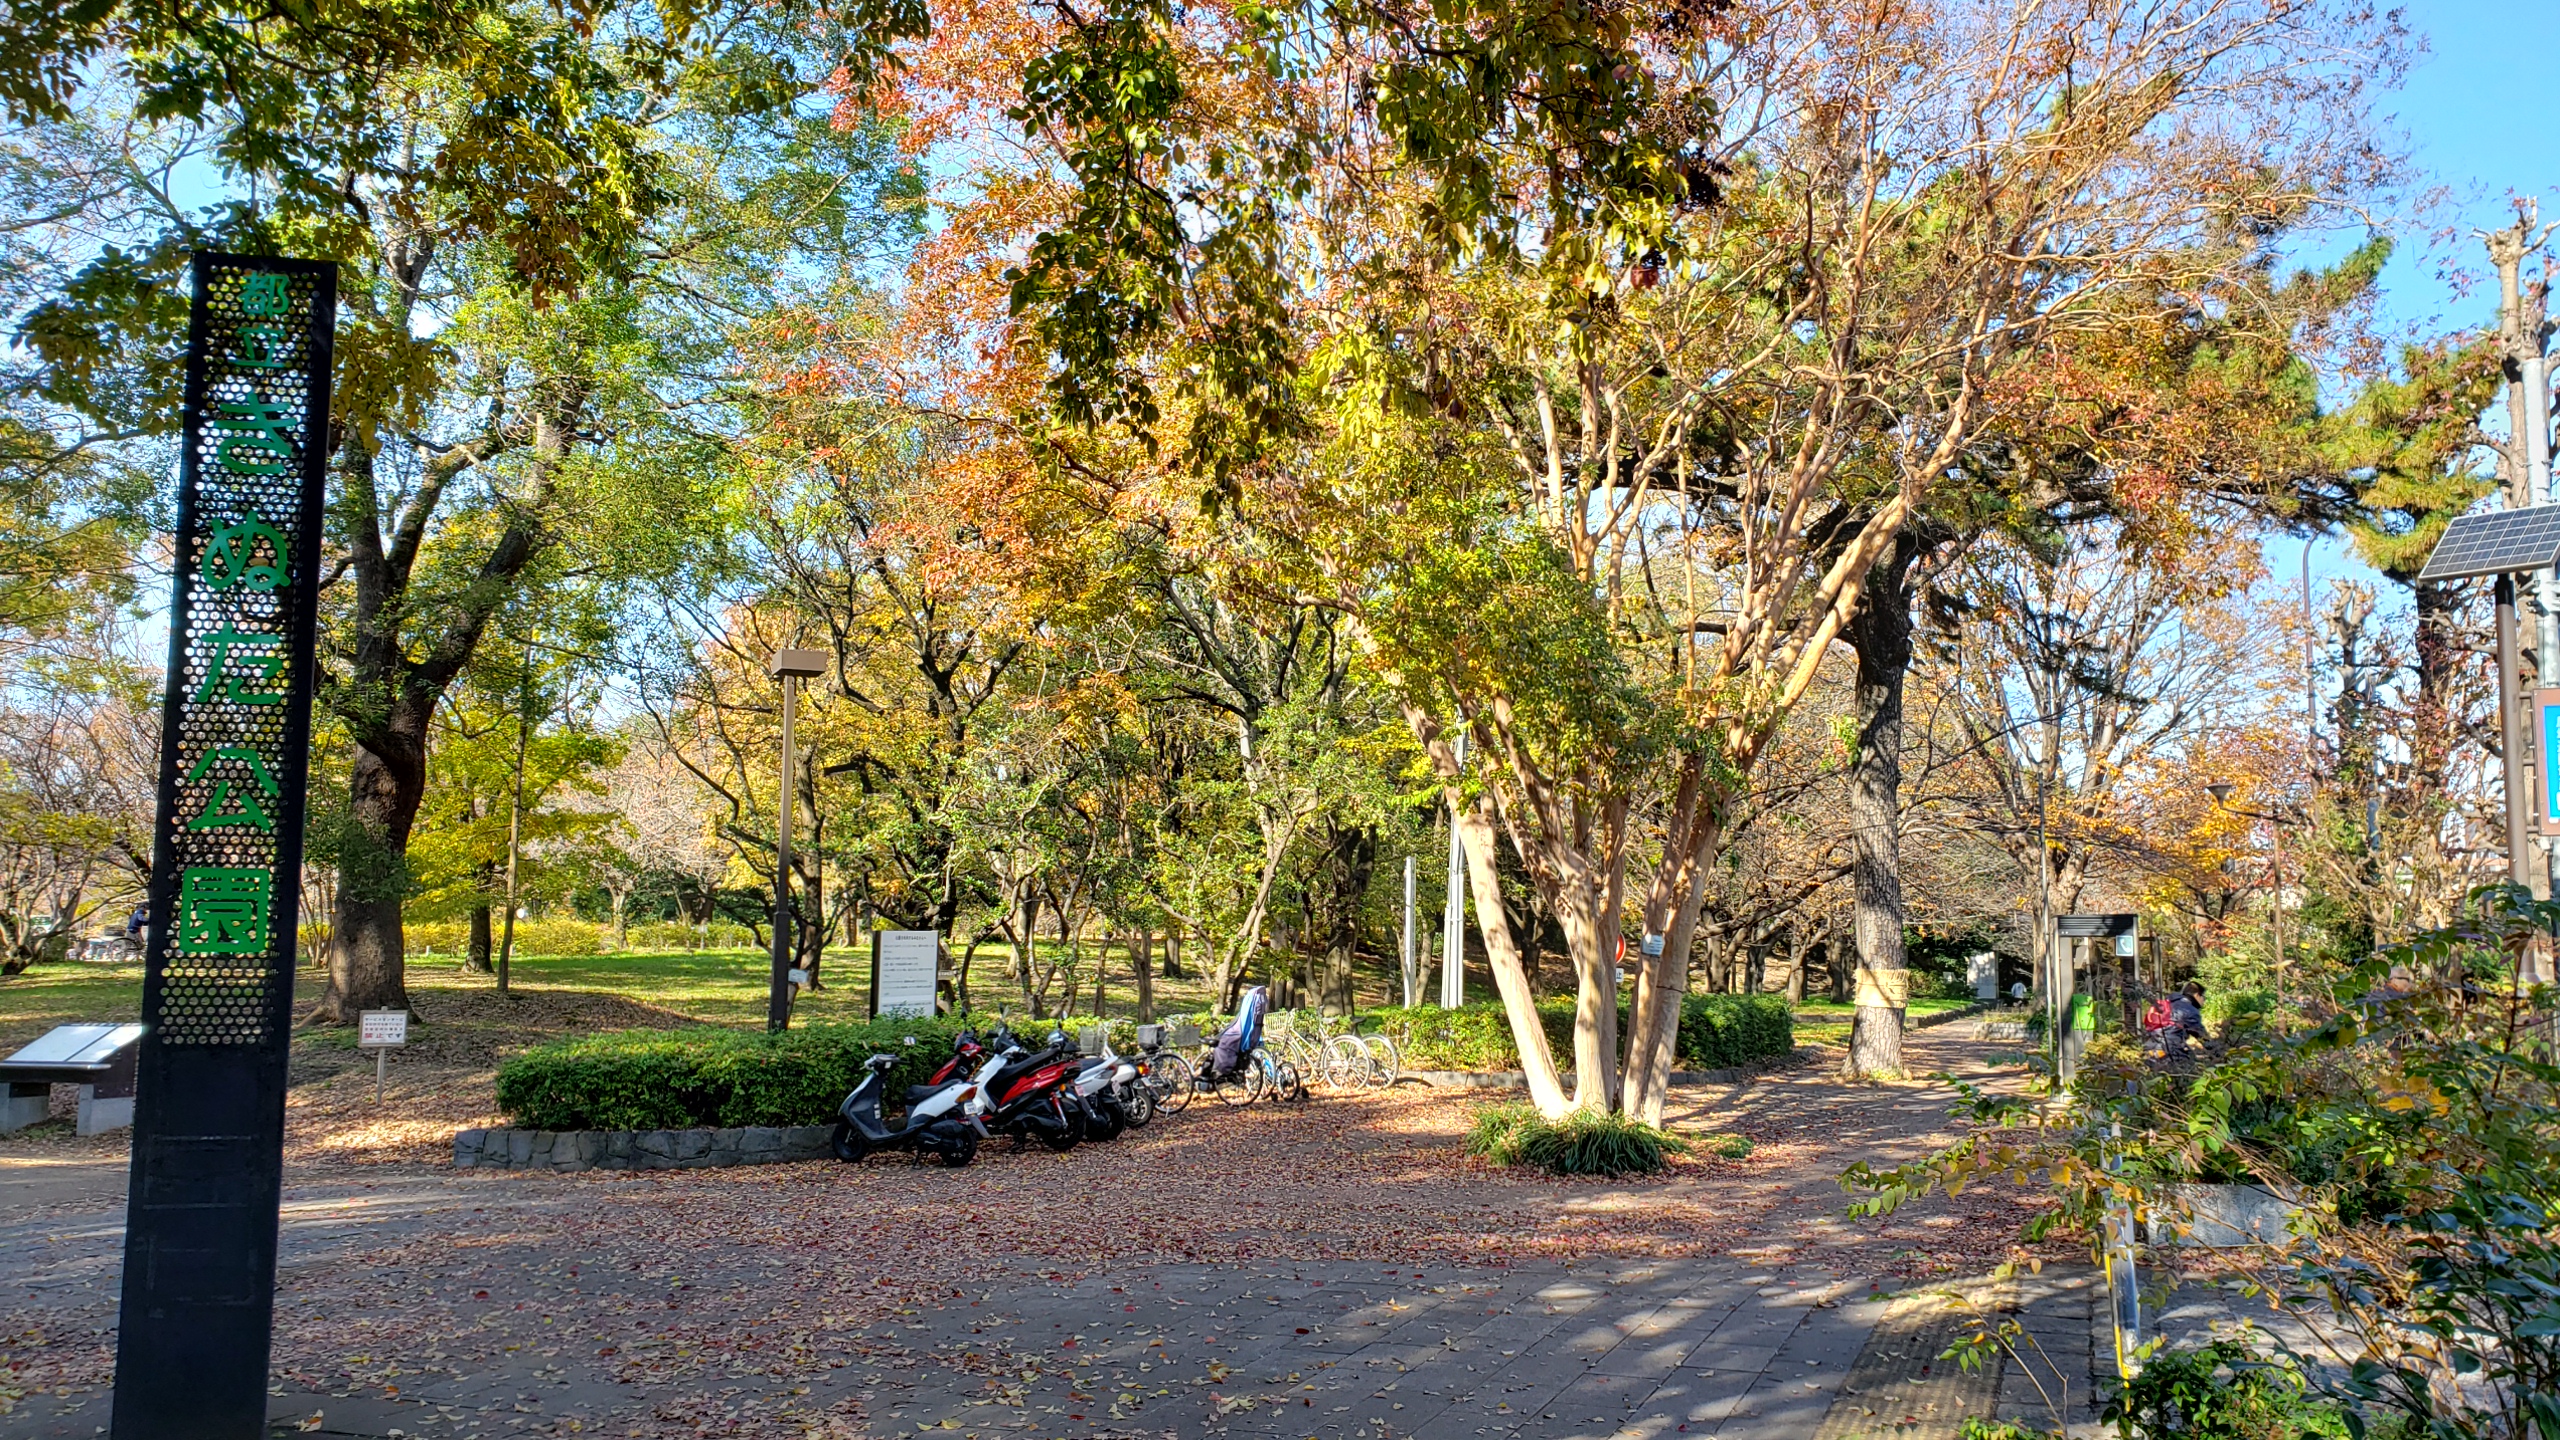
{"type": "Point", "coordinates": [711, 1298]}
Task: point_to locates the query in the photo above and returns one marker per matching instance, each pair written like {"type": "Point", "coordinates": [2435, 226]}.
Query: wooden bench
{"type": "Point", "coordinates": [97, 1057]}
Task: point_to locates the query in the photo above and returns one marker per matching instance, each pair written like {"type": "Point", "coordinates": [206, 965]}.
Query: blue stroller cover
{"type": "Point", "coordinates": [1238, 1039]}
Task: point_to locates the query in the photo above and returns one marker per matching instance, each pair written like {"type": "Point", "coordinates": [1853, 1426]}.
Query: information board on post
{"type": "Point", "coordinates": [905, 965]}
{"type": "Point", "coordinates": [2546, 718]}
{"type": "Point", "coordinates": [379, 1031]}
{"type": "Point", "coordinates": [198, 1303]}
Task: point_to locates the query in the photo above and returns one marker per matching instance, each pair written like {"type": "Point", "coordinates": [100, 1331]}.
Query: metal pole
{"type": "Point", "coordinates": [1412, 975]}
{"type": "Point", "coordinates": [1453, 922]}
{"type": "Point", "coordinates": [2275, 911]}
{"type": "Point", "coordinates": [2511, 737]}
{"type": "Point", "coordinates": [2045, 966]}
{"type": "Point", "coordinates": [778, 1007]}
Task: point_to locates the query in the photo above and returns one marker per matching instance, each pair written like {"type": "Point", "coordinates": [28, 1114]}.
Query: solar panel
{"type": "Point", "coordinates": [2500, 542]}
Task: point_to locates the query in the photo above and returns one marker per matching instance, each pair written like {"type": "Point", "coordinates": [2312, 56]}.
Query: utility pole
{"type": "Point", "coordinates": [2511, 733]}
{"type": "Point", "coordinates": [2523, 332]}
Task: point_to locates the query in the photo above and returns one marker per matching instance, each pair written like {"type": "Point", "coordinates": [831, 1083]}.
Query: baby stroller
{"type": "Point", "coordinates": [1240, 1039]}
{"type": "Point", "coordinates": [1239, 1071]}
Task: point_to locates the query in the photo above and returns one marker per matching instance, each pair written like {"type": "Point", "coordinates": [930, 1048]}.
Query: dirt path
{"type": "Point", "coordinates": [734, 1302]}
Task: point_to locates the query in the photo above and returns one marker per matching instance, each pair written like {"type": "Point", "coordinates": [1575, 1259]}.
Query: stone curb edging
{"type": "Point", "coordinates": [566, 1150]}
{"type": "Point", "coordinates": [1949, 1017]}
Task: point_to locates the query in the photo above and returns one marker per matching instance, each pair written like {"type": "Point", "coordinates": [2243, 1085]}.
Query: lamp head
{"type": "Point", "coordinates": [807, 664]}
{"type": "Point", "coordinates": [2220, 790]}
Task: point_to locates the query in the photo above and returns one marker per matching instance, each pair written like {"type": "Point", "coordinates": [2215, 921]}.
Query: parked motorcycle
{"type": "Point", "coordinates": [1028, 1096]}
{"type": "Point", "coordinates": [934, 1124]}
{"type": "Point", "coordinates": [1109, 1087]}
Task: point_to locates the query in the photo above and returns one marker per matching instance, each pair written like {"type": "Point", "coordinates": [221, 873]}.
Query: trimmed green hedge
{"type": "Point", "coordinates": [1716, 1032]}
{"type": "Point", "coordinates": [705, 1076]}
{"type": "Point", "coordinates": [702, 1076]}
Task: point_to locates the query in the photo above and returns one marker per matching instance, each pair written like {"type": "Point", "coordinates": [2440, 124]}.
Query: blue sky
{"type": "Point", "coordinates": [2483, 83]}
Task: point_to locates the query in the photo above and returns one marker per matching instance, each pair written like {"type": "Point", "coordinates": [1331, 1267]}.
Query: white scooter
{"type": "Point", "coordinates": [935, 1124]}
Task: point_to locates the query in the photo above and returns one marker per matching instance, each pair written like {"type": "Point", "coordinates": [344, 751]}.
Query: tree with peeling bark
{"type": "Point", "coordinates": [1527, 381]}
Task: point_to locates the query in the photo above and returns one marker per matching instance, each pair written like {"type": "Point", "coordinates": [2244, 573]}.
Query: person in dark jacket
{"type": "Point", "coordinates": [2186, 1017]}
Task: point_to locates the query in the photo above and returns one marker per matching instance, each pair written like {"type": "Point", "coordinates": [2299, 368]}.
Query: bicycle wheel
{"type": "Point", "coordinates": [1170, 1077]}
{"type": "Point", "coordinates": [1301, 1052]}
{"type": "Point", "coordinates": [1346, 1064]}
{"type": "Point", "coordinates": [1386, 1062]}
{"type": "Point", "coordinates": [1254, 1083]}
{"type": "Point", "coordinates": [1288, 1084]}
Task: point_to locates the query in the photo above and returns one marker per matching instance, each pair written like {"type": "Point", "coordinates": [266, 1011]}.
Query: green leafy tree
{"type": "Point", "coordinates": [549, 226]}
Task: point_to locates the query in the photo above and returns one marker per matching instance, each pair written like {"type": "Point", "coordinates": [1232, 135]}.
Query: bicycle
{"type": "Point", "coordinates": [1315, 1055]}
{"type": "Point", "coordinates": [1347, 1059]}
{"type": "Point", "coordinates": [1386, 1059]}
{"type": "Point", "coordinates": [1262, 1076]}
{"type": "Point", "coordinates": [1167, 1078]}
{"type": "Point", "coordinates": [1339, 1059]}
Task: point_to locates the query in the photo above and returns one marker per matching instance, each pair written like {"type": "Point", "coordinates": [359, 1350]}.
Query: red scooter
{"type": "Point", "coordinates": [1029, 1097]}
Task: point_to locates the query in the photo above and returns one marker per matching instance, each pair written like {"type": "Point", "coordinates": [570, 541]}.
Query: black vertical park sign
{"type": "Point", "coordinates": [217, 994]}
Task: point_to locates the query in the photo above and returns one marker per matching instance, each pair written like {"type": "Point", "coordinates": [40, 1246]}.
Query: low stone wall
{"type": "Point", "coordinates": [2224, 1217]}
{"type": "Point", "coordinates": [639, 1149]}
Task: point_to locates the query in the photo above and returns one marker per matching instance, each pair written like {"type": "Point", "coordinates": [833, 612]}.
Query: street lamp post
{"type": "Point", "coordinates": [2221, 793]}
{"type": "Point", "coordinates": [790, 667]}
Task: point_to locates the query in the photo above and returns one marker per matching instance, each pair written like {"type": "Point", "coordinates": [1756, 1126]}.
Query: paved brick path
{"type": "Point", "coordinates": [433, 1303]}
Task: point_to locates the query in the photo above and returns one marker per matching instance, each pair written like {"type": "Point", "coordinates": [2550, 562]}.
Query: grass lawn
{"type": "Point", "coordinates": [720, 987]}
{"type": "Point", "coordinates": [1821, 1022]}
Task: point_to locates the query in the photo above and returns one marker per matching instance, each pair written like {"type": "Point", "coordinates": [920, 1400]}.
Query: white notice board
{"type": "Point", "coordinates": [902, 971]}
{"type": "Point", "coordinates": [382, 1028]}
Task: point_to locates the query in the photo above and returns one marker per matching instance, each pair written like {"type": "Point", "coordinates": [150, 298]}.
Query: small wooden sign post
{"type": "Point", "coordinates": [378, 1031]}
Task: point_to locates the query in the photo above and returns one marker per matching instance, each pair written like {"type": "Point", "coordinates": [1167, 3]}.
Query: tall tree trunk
{"type": "Point", "coordinates": [1477, 841]}
{"type": "Point", "coordinates": [1025, 949]}
{"type": "Point", "coordinates": [1795, 963]}
{"type": "Point", "coordinates": [396, 678]}
{"type": "Point", "coordinates": [1351, 859]}
{"type": "Point", "coordinates": [1880, 631]}
{"type": "Point", "coordinates": [960, 982]}
{"type": "Point", "coordinates": [476, 957]}
{"type": "Point", "coordinates": [1142, 958]}
{"type": "Point", "coordinates": [809, 927]}
{"type": "Point", "coordinates": [1662, 981]}
{"type": "Point", "coordinates": [1173, 951]}
{"type": "Point", "coordinates": [1479, 844]}
{"type": "Point", "coordinates": [367, 969]}
{"type": "Point", "coordinates": [2431, 737]}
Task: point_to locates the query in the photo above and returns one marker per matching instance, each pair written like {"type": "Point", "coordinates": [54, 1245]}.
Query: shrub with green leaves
{"type": "Point", "coordinates": [2408, 1113]}
{"type": "Point", "coordinates": [2218, 1391]}
{"type": "Point", "coordinates": [533, 937]}
{"type": "Point", "coordinates": [1584, 1142]}
{"type": "Point", "coordinates": [702, 1076]}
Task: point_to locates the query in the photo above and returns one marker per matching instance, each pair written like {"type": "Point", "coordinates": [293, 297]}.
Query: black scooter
{"type": "Point", "coordinates": [933, 1125]}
